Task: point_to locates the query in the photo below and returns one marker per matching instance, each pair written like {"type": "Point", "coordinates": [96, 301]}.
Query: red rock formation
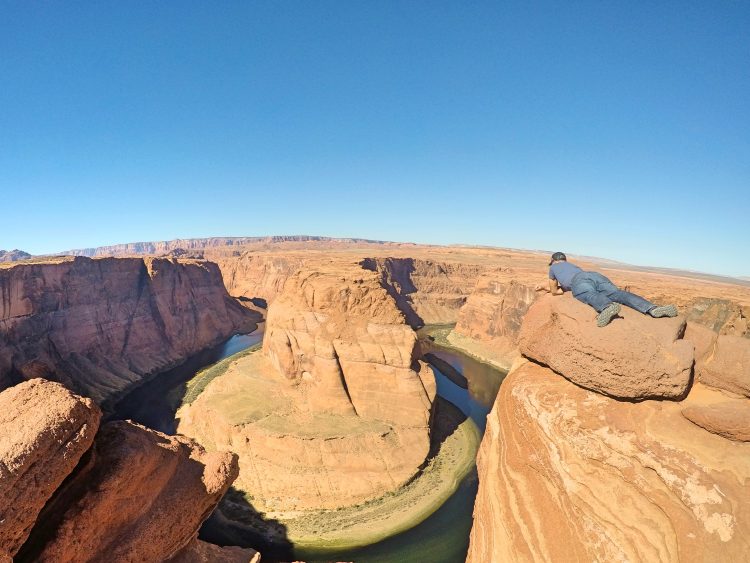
{"type": "Point", "coordinates": [336, 410]}
{"type": "Point", "coordinates": [635, 357]}
{"type": "Point", "coordinates": [141, 496]}
{"type": "Point", "coordinates": [427, 291]}
{"type": "Point", "coordinates": [100, 326]}
{"type": "Point", "coordinates": [44, 431]}
{"type": "Point", "coordinates": [570, 475]}
{"type": "Point", "coordinates": [338, 330]}
{"type": "Point", "coordinates": [721, 361]}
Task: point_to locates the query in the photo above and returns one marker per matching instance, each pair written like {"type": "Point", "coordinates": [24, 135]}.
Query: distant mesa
{"type": "Point", "coordinates": [13, 255]}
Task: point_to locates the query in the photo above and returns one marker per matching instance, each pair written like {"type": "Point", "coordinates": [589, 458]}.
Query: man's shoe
{"type": "Point", "coordinates": [603, 318]}
{"type": "Point", "coordinates": [665, 311]}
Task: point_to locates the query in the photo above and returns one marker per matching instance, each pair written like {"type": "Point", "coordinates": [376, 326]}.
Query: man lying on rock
{"type": "Point", "coordinates": [596, 290]}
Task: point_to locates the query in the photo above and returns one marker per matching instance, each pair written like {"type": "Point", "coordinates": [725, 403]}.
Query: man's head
{"type": "Point", "coordinates": [558, 257]}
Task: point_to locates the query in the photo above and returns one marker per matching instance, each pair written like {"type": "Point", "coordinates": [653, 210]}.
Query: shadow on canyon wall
{"type": "Point", "coordinates": [236, 522]}
{"type": "Point", "coordinates": [396, 278]}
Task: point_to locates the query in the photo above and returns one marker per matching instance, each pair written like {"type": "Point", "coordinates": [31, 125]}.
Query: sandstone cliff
{"type": "Point", "coordinates": [100, 326]}
{"type": "Point", "coordinates": [337, 408]}
{"type": "Point", "coordinates": [569, 474]}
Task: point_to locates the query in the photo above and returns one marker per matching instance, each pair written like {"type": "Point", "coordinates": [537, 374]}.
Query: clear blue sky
{"type": "Point", "coordinates": [616, 129]}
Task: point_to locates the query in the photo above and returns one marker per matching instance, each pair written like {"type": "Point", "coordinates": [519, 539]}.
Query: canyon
{"type": "Point", "coordinates": [629, 442]}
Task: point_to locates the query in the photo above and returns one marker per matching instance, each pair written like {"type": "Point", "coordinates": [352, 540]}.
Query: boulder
{"type": "Point", "coordinates": [634, 357]}
{"type": "Point", "coordinates": [44, 431]}
{"type": "Point", "coordinates": [566, 474]}
{"type": "Point", "coordinates": [141, 496]}
{"type": "Point", "coordinates": [721, 361]}
{"type": "Point", "coordinates": [717, 413]}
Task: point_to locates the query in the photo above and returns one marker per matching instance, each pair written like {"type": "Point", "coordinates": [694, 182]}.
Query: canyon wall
{"type": "Point", "coordinates": [569, 472]}
{"type": "Point", "coordinates": [427, 291]}
{"type": "Point", "coordinates": [100, 326]}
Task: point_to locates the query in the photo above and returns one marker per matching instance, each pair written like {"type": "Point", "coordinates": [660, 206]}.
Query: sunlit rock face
{"type": "Point", "coordinates": [44, 431]}
{"type": "Point", "coordinates": [634, 357]}
{"type": "Point", "coordinates": [100, 326]}
{"type": "Point", "coordinates": [567, 474]}
{"type": "Point", "coordinates": [336, 409]}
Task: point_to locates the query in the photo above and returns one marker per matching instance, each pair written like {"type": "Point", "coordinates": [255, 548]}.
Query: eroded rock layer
{"type": "Point", "coordinates": [44, 431]}
{"type": "Point", "coordinates": [567, 474]}
{"type": "Point", "coordinates": [99, 326]}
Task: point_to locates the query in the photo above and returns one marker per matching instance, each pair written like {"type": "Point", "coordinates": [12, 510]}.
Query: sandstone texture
{"type": "Point", "coordinates": [567, 474]}
{"type": "Point", "coordinates": [198, 551]}
{"type": "Point", "coordinates": [730, 418]}
{"type": "Point", "coordinates": [44, 431]}
{"type": "Point", "coordinates": [493, 314]}
{"type": "Point", "coordinates": [339, 332]}
{"type": "Point", "coordinates": [635, 357]}
{"type": "Point", "coordinates": [100, 326]}
{"type": "Point", "coordinates": [141, 496]}
{"type": "Point", "coordinates": [337, 408]}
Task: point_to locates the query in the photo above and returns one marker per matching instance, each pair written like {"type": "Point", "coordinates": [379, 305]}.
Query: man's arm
{"type": "Point", "coordinates": [553, 287]}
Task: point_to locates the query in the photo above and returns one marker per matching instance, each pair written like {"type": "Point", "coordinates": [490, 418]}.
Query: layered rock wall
{"type": "Point", "coordinates": [100, 326]}
{"type": "Point", "coordinates": [567, 474]}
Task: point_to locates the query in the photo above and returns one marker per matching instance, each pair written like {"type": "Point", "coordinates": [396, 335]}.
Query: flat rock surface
{"type": "Point", "coordinates": [141, 497]}
{"type": "Point", "coordinates": [44, 431]}
{"type": "Point", "coordinates": [634, 357]}
{"type": "Point", "coordinates": [570, 475]}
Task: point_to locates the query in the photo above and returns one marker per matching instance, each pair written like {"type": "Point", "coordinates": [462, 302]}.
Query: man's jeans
{"type": "Point", "coordinates": [596, 290]}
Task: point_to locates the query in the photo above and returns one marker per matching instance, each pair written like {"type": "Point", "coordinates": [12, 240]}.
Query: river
{"type": "Point", "coordinates": [443, 537]}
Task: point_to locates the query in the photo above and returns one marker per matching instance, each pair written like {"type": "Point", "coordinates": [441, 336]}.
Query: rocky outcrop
{"type": "Point", "coordinates": [635, 357]}
{"type": "Point", "coordinates": [13, 255]}
{"type": "Point", "coordinates": [567, 474]}
{"type": "Point", "coordinates": [44, 431]}
{"type": "Point", "coordinates": [140, 496]}
{"type": "Point", "coordinates": [336, 410]}
{"type": "Point", "coordinates": [100, 326]}
{"type": "Point", "coordinates": [338, 331]}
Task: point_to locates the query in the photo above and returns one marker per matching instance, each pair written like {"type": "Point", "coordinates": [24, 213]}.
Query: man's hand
{"type": "Point", "coordinates": [541, 287]}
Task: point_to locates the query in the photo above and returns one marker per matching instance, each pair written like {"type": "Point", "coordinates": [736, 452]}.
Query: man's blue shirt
{"type": "Point", "coordinates": [563, 272]}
